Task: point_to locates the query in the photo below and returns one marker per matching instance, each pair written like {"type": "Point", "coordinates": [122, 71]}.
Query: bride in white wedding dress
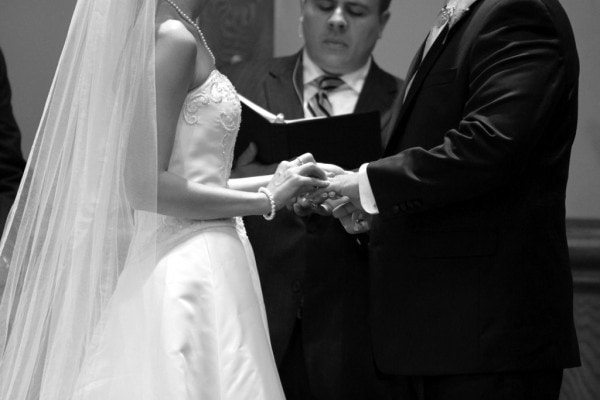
{"type": "Point", "coordinates": [163, 302]}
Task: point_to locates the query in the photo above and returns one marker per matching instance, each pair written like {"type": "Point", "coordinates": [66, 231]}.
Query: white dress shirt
{"type": "Point", "coordinates": [344, 98]}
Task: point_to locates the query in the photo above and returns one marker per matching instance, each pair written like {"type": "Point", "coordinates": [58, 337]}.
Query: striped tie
{"type": "Point", "coordinates": [319, 105]}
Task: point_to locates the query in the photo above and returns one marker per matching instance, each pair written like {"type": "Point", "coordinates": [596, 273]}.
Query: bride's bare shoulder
{"type": "Point", "coordinates": [175, 49]}
{"type": "Point", "coordinates": [172, 32]}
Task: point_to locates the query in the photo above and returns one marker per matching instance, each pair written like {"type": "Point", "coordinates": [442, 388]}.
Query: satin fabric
{"type": "Point", "coordinates": [193, 325]}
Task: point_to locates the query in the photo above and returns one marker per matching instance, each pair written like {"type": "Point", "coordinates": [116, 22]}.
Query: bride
{"type": "Point", "coordinates": [130, 276]}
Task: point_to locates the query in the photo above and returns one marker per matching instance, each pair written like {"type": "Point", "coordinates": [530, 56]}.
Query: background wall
{"type": "Point", "coordinates": [32, 33]}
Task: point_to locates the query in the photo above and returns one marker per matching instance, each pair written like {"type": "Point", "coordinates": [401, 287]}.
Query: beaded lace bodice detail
{"type": "Point", "coordinates": [206, 132]}
{"type": "Point", "coordinates": [204, 140]}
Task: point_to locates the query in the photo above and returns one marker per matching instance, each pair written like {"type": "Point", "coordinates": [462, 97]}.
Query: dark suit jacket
{"type": "Point", "coordinates": [312, 260]}
{"type": "Point", "coordinates": [11, 159]}
{"type": "Point", "coordinates": [469, 260]}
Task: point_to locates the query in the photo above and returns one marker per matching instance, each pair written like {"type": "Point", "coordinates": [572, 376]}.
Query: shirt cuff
{"type": "Point", "coordinates": [367, 199]}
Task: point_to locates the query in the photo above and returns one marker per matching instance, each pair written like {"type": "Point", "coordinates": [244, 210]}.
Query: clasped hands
{"type": "Point", "coordinates": [340, 198]}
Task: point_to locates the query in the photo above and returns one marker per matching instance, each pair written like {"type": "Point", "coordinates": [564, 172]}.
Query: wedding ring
{"type": "Point", "coordinates": [304, 201]}
{"type": "Point", "coordinates": [299, 160]}
{"type": "Point", "coordinates": [359, 219]}
{"type": "Point", "coordinates": [360, 223]}
{"type": "Point", "coordinates": [326, 208]}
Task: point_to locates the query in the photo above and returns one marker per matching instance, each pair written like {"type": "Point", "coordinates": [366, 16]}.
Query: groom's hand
{"type": "Point", "coordinates": [342, 185]}
{"type": "Point", "coordinates": [332, 169]}
{"type": "Point", "coordinates": [305, 206]}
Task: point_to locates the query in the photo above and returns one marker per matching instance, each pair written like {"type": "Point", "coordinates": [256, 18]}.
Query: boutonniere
{"type": "Point", "coordinates": [453, 12]}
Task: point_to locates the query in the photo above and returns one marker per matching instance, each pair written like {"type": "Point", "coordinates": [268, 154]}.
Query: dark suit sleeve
{"type": "Point", "coordinates": [519, 73]}
{"type": "Point", "coordinates": [11, 158]}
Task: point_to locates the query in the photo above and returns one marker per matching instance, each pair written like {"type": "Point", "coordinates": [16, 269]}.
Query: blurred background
{"type": "Point", "coordinates": [32, 33]}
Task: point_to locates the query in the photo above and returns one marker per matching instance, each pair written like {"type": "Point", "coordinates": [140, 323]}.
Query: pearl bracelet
{"type": "Point", "coordinates": [269, 195]}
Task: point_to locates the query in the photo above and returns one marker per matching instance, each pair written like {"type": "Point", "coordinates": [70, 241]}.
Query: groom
{"type": "Point", "coordinates": [470, 287]}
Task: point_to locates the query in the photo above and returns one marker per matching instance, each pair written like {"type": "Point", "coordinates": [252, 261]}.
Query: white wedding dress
{"type": "Point", "coordinates": [192, 325]}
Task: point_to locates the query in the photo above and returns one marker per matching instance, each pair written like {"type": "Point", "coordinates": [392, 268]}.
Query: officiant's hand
{"type": "Point", "coordinates": [246, 164]}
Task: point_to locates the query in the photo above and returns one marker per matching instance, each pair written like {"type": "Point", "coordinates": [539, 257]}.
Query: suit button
{"type": "Point", "coordinates": [395, 209]}
{"type": "Point", "coordinates": [296, 286]}
{"type": "Point", "coordinates": [300, 312]}
{"type": "Point", "coordinates": [403, 207]}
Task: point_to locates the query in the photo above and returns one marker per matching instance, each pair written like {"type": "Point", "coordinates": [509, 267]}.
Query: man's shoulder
{"type": "Point", "coordinates": [382, 84]}
{"type": "Point", "coordinates": [258, 70]}
{"type": "Point", "coordinates": [387, 79]}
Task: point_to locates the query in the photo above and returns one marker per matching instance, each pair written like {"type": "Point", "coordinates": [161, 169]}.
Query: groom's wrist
{"type": "Point", "coordinates": [366, 196]}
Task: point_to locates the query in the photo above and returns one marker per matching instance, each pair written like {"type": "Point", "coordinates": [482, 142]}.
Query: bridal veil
{"type": "Point", "coordinates": [72, 229]}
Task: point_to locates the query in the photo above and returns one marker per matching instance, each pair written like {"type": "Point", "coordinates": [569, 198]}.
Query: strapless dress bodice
{"type": "Point", "coordinates": [206, 131]}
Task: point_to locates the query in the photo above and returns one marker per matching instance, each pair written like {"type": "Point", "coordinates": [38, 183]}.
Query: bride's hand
{"type": "Point", "coordinates": [293, 178]}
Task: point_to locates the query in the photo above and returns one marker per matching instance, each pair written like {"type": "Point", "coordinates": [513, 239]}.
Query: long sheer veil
{"type": "Point", "coordinates": [72, 229]}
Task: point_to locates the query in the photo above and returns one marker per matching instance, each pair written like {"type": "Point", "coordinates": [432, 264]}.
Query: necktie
{"type": "Point", "coordinates": [319, 105]}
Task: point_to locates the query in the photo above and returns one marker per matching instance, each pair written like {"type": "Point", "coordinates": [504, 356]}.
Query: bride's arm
{"type": "Point", "coordinates": [251, 183]}
{"type": "Point", "coordinates": [176, 54]}
{"type": "Point", "coordinates": [175, 71]}
{"type": "Point", "coordinates": [182, 198]}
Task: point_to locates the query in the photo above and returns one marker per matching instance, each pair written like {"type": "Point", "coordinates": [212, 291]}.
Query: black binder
{"type": "Point", "coordinates": [345, 140]}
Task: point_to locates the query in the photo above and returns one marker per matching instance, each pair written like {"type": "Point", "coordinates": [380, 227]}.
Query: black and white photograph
{"type": "Point", "coordinates": [300, 199]}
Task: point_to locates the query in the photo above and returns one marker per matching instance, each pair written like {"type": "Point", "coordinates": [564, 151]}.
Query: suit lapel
{"type": "Point", "coordinates": [412, 70]}
{"type": "Point", "coordinates": [378, 93]}
{"type": "Point", "coordinates": [419, 76]}
{"type": "Point", "coordinates": [422, 69]}
{"type": "Point", "coordinates": [419, 70]}
{"type": "Point", "coordinates": [420, 73]}
{"type": "Point", "coordinates": [426, 65]}
{"type": "Point", "coordinates": [280, 92]}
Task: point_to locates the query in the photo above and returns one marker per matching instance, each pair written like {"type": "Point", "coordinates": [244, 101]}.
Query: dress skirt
{"type": "Point", "coordinates": [192, 326]}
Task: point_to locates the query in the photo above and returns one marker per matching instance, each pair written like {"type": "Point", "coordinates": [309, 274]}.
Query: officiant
{"type": "Point", "coordinates": [312, 273]}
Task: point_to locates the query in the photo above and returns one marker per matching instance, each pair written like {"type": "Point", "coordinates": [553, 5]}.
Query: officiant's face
{"type": "Point", "coordinates": [340, 35]}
